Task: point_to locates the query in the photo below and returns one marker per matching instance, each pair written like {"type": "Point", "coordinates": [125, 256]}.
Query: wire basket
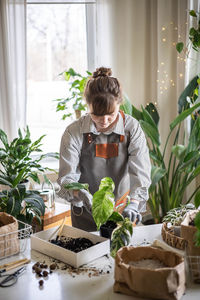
{"type": "Point", "coordinates": [194, 267]}
{"type": "Point", "coordinates": [16, 241]}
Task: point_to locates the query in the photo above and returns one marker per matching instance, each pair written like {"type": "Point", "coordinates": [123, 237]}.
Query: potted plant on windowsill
{"type": "Point", "coordinates": [74, 102]}
{"type": "Point", "coordinates": [17, 163]}
{"type": "Point", "coordinates": [105, 213]}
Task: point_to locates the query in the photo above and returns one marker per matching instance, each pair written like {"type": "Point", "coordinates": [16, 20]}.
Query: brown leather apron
{"type": "Point", "coordinates": [102, 156]}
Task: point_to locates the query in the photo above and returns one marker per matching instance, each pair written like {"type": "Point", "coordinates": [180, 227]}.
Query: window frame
{"type": "Point", "coordinates": [90, 7]}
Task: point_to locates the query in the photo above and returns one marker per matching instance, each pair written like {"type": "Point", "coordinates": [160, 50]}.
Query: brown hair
{"type": "Point", "coordinates": [102, 91]}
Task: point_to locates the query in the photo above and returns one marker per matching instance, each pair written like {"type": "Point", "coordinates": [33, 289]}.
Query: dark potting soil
{"type": "Point", "coordinates": [73, 244]}
{"type": "Point", "coordinates": [110, 225]}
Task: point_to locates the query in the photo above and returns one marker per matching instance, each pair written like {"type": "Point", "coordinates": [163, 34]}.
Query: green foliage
{"type": "Point", "coordinates": [22, 204]}
{"type": "Point", "coordinates": [103, 210]}
{"type": "Point", "coordinates": [16, 162]}
{"type": "Point", "coordinates": [77, 186]}
{"type": "Point", "coordinates": [191, 91]}
{"type": "Point", "coordinates": [169, 180]}
{"type": "Point", "coordinates": [176, 215]}
{"type": "Point", "coordinates": [194, 34]}
{"type": "Point", "coordinates": [103, 202]}
{"type": "Point", "coordinates": [121, 236]}
{"type": "Point", "coordinates": [75, 90]}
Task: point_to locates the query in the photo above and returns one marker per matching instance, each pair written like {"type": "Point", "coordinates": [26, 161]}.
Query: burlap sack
{"type": "Point", "coordinates": [9, 242]}
{"type": "Point", "coordinates": [162, 283]}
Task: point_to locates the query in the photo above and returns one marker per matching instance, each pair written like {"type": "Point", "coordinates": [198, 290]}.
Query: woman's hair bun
{"type": "Point", "coordinates": [102, 72]}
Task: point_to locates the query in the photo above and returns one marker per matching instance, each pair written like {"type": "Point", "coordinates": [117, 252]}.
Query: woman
{"type": "Point", "coordinates": [104, 143]}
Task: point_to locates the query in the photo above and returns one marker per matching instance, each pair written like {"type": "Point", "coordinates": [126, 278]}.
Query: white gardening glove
{"type": "Point", "coordinates": [83, 198]}
{"type": "Point", "coordinates": [131, 212]}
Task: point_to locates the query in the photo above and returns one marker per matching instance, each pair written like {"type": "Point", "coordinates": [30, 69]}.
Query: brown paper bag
{"type": "Point", "coordinates": [160, 283]}
{"type": "Point", "coordinates": [9, 242]}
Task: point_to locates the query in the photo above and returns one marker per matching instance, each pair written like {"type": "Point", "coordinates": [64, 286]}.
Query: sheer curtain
{"type": "Point", "coordinates": [137, 40]}
{"type": "Point", "coordinates": [12, 66]}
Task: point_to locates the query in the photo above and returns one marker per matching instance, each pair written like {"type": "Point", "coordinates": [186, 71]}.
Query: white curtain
{"type": "Point", "coordinates": [137, 38]}
{"type": "Point", "coordinates": [12, 66]}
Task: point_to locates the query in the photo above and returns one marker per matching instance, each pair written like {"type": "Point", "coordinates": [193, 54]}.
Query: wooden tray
{"type": "Point", "coordinates": [171, 239]}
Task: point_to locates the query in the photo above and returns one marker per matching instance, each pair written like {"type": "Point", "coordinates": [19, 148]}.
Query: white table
{"type": "Point", "coordinates": [61, 285]}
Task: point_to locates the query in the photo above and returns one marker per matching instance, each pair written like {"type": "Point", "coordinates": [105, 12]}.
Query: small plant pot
{"type": "Point", "coordinates": [107, 229]}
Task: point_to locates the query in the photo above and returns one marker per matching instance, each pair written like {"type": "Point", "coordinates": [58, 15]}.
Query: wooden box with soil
{"type": "Point", "coordinates": [76, 247]}
{"type": "Point", "coordinates": [150, 273]}
{"type": "Point", "coordinates": [188, 232]}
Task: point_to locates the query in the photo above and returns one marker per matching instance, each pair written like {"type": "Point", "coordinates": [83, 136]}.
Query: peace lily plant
{"type": "Point", "coordinates": [17, 162]}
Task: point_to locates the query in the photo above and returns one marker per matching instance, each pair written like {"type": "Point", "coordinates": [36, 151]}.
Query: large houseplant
{"type": "Point", "coordinates": [17, 162]}
{"type": "Point", "coordinates": [169, 179]}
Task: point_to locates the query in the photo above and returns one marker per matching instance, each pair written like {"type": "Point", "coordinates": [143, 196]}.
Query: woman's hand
{"type": "Point", "coordinates": [131, 212]}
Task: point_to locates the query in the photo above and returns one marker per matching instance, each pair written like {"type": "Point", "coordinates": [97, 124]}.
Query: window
{"type": "Point", "coordinates": [59, 36]}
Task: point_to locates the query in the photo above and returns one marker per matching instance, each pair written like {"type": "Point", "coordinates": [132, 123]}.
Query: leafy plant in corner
{"type": "Point", "coordinates": [104, 210]}
{"type": "Point", "coordinates": [191, 92]}
{"type": "Point", "coordinates": [22, 204]}
{"type": "Point", "coordinates": [75, 91]}
{"type": "Point", "coordinates": [176, 215]}
{"type": "Point", "coordinates": [17, 162]}
{"type": "Point", "coordinates": [169, 178]}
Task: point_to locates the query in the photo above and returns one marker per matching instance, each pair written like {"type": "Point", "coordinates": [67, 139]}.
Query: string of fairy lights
{"type": "Point", "coordinates": [164, 82]}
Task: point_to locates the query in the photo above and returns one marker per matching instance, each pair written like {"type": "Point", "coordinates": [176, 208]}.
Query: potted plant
{"type": "Point", "coordinates": [169, 178]}
{"type": "Point", "coordinates": [105, 213]}
{"type": "Point", "coordinates": [74, 100]}
{"type": "Point", "coordinates": [175, 217]}
{"type": "Point", "coordinates": [22, 204]}
{"type": "Point", "coordinates": [16, 161]}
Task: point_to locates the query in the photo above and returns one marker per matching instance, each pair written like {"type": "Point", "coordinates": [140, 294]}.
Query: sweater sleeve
{"type": "Point", "coordinates": [69, 170]}
{"type": "Point", "coordinates": [139, 166]}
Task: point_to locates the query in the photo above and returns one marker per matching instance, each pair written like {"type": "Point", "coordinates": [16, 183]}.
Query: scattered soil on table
{"type": "Point", "coordinates": [91, 271]}
{"type": "Point", "coordinates": [148, 263]}
{"type": "Point", "coordinates": [73, 244]}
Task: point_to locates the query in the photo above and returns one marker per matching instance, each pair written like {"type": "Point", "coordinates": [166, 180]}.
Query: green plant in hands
{"type": "Point", "coordinates": [169, 179]}
{"type": "Point", "coordinates": [103, 210]}
{"type": "Point", "coordinates": [16, 162]}
{"type": "Point", "coordinates": [22, 204]}
{"type": "Point", "coordinates": [75, 91]}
